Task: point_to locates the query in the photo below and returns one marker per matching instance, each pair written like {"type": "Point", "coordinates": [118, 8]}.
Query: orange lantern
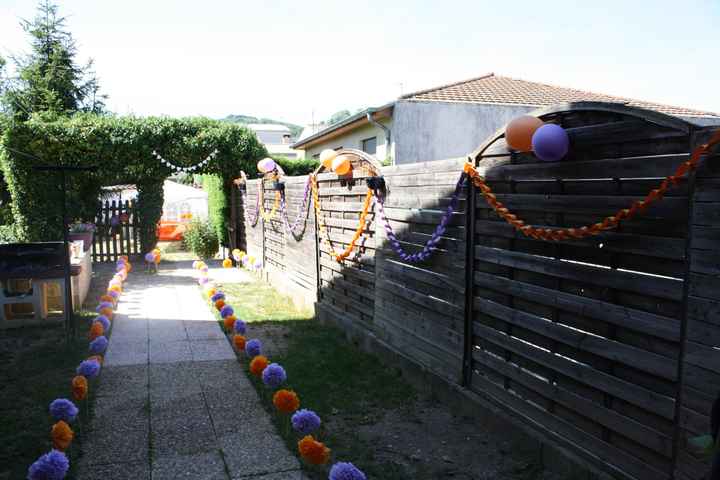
{"type": "Point", "coordinates": [341, 165]}
{"type": "Point", "coordinates": [519, 132]}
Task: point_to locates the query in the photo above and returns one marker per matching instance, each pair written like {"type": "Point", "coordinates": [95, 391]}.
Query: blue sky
{"type": "Point", "coordinates": [287, 59]}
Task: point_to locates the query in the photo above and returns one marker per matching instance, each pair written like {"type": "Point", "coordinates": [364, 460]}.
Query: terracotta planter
{"type": "Point", "coordinates": [86, 237]}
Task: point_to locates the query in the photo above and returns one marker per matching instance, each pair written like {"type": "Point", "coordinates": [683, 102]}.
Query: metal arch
{"type": "Point", "coordinates": [650, 116]}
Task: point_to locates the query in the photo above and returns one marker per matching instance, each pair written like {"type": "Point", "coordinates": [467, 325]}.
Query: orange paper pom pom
{"type": "Point", "coordinates": [79, 387]}
{"type": "Point", "coordinates": [227, 263]}
{"type": "Point", "coordinates": [258, 364]}
{"type": "Point", "coordinates": [96, 330]}
{"type": "Point", "coordinates": [219, 304]}
{"type": "Point", "coordinates": [108, 312]}
{"type": "Point", "coordinates": [229, 322]}
{"type": "Point", "coordinates": [115, 288]}
{"type": "Point", "coordinates": [239, 342]}
{"type": "Point", "coordinates": [286, 401]}
{"type": "Point", "coordinates": [107, 298]}
{"type": "Point", "coordinates": [62, 435]}
{"type": "Point", "coordinates": [312, 451]}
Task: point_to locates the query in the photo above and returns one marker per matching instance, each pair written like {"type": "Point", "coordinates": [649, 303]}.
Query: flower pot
{"type": "Point", "coordinates": [86, 237]}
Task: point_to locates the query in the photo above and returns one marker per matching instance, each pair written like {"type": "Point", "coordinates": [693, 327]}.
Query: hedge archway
{"type": "Point", "coordinates": [121, 148]}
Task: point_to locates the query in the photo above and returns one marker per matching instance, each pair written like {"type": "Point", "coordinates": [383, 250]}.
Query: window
{"type": "Point", "coordinates": [369, 145]}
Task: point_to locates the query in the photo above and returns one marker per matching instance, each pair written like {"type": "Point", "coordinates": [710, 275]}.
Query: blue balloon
{"type": "Point", "coordinates": [550, 142]}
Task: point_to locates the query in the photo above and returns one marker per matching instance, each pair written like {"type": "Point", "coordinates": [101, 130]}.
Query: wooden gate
{"type": "Point", "coordinates": [583, 337]}
{"type": "Point", "coordinates": [118, 231]}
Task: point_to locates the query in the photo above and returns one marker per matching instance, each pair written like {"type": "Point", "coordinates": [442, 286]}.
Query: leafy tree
{"type": "Point", "coordinates": [48, 78]}
{"type": "Point", "coordinates": [338, 116]}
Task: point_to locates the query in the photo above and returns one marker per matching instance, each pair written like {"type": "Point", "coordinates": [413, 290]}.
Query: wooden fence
{"type": "Point", "coordinates": [606, 346]}
{"type": "Point", "coordinates": [118, 231]}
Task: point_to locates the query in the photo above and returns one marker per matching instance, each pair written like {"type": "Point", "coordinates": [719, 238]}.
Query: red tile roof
{"type": "Point", "coordinates": [496, 89]}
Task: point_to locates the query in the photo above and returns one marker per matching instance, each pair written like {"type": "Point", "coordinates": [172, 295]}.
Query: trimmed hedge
{"type": "Point", "coordinates": [121, 148]}
{"type": "Point", "coordinates": [293, 167]}
{"type": "Point", "coordinates": [218, 205]}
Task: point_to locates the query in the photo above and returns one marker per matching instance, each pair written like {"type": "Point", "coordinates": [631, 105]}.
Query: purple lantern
{"type": "Point", "coordinates": [550, 142]}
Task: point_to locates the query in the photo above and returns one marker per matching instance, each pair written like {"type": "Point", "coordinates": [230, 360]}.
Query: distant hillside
{"type": "Point", "coordinates": [245, 119]}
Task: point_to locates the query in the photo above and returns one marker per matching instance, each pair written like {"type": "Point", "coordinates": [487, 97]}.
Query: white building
{"type": "Point", "coordinates": [276, 138]}
{"type": "Point", "coordinates": [452, 120]}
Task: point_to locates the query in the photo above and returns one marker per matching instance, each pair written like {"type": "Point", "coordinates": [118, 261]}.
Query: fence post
{"type": "Point", "coordinates": [469, 281]}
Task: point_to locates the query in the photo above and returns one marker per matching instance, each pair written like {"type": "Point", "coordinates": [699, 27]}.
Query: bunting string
{"type": "Point", "coordinates": [191, 169]}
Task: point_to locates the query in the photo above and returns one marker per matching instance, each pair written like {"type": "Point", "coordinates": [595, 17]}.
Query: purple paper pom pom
{"type": "Point", "coordinates": [226, 311]}
{"type": "Point", "coordinates": [150, 257]}
{"type": "Point", "coordinates": [203, 280]}
{"type": "Point", "coordinates": [253, 348]}
{"type": "Point", "coordinates": [204, 269]}
{"type": "Point", "coordinates": [240, 327]}
{"type": "Point", "coordinates": [98, 345]}
{"type": "Point", "coordinates": [51, 466]}
{"type": "Point", "coordinates": [218, 296]}
{"type": "Point", "coordinates": [120, 267]}
{"type": "Point", "coordinates": [103, 305]}
{"type": "Point", "coordinates": [89, 368]}
{"type": "Point", "coordinates": [63, 409]}
{"type": "Point", "coordinates": [274, 375]}
{"type": "Point", "coordinates": [104, 321]}
{"type": "Point", "coordinates": [305, 421]}
{"type": "Point", "coordinates": [346, 471]}
{"type": "Point", "coordinates": [114, 294]}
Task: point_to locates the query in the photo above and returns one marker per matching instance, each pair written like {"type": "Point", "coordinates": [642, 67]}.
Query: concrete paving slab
{"type": "Point", "coordinates": [120, 413]}
{"type": "Point", "coordinates": [128, 378]}
{"type": "Point", "coordinates": [290, 475]}
{"type": "Point", "coordinates": [170, 352]}
{"type": "Point", "coordinates": [261, 453]}
{"type": "Point", "coordinates": [102, 447]}
{"type": "Point", "coordinates": [208, 350]}
{"type": "Point", "coordinates": [204, 466]}
{"type": "Point", "coordinates": [117, 471]}
{"type": "Point", "coordinates": [203, 330]}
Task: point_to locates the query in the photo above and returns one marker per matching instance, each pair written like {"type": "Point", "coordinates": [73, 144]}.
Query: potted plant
{"type": "Point", "coordinates": [82, 231]}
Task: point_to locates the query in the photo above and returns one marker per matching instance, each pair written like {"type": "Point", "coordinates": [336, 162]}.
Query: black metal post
{"type": "Point", "coordinates": [69, 324]}
{"type": "Point", "coordinates": [68, 311]}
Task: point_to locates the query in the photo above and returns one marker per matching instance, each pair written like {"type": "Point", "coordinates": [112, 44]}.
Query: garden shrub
{"type": "Point", "coordinates": [295, 167]}
{"type": "Point", "coordinates": [201, 239]}
{"type": "Point", "coordinates": [121, 148]}
{"type": "Point", "coordinates": [218, 205]}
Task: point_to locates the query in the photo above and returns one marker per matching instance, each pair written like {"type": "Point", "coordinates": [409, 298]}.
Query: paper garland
{"type": "Point", "coordinates": [190, 169]}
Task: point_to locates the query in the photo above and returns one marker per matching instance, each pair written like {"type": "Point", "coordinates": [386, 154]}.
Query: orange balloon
{"type": "Point", "coordinates": [326, 158]}
{"type": "Point", "coordinates": [519, 132]}
{"type": "Point", "coordinates": [341, 165]}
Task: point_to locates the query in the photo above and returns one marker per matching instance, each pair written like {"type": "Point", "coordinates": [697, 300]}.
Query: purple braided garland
{"type": "Point", "coordinates": [430, 245]}
{"type": "Point", "coordinates": [254, 219]}
{"type": "Point", "coordinates": [302, 211]}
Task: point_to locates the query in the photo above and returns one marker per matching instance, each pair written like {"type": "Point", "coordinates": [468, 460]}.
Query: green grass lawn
{"type": "Point", "coordinates": [36, 367]}
{"type": "Point", "coordinates": [346, 387]}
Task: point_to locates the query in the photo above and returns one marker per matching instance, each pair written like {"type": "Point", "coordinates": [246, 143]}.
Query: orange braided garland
{"type": "Point", "coordinates": [607, 223]}
{"type": "Point", "coordinates": [321, 223]}
{"type": "Point", "coordinates": [271, 215]}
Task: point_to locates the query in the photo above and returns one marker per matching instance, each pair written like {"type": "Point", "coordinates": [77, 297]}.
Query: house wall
{"type": "Point", "coordinates": [426, 131]}
{"type": "Point", "coordinates": [354, 139]}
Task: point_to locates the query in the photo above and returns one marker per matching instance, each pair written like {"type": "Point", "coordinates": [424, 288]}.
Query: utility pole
{"type": "Point", "coordinates": [63, 170]}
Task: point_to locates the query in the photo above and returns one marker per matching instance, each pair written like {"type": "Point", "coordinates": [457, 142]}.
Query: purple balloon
{"type": "Point", "coordinates": [550, 142]}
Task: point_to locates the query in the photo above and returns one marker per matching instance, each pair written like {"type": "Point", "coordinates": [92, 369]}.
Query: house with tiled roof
{"type": "Point", "coordinates": [451, 120]}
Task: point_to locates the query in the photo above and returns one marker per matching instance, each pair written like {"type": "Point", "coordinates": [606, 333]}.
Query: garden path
{"type": "Point", "coordinates": [173, 402]}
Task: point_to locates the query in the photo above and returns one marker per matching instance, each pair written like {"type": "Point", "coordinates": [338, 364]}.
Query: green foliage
{"type": "Point", "coordinates": [293, 167]}
{"type": "Point", "coordinates": [295, 130]}
{"type": "Point", "coordinates": [201, 239]}
{"type": "Point", "coordinates": [121, 148]}
{"type": "Point", "coordinates": [49, 80]}
{"type": "Point", "coordinates": [339, 117]}
{"type": "Point", "coordinates": [7, 234]}
{"type": "Point", "coordinates": [218, 205]}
